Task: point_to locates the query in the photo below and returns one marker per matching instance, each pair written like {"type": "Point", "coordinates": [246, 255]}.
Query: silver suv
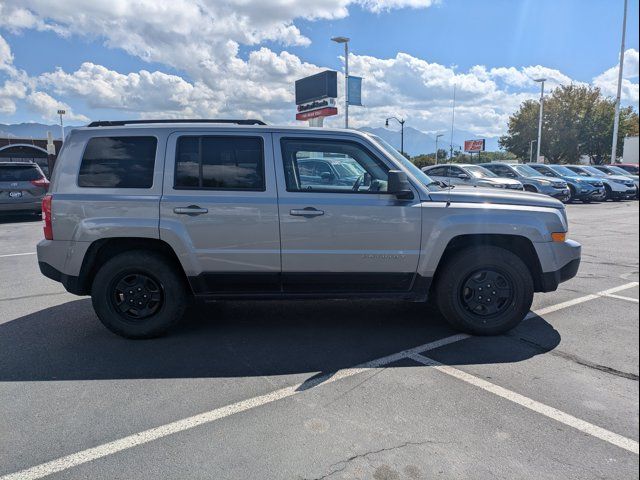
{"type": "Point", "coordinates": [145, 217]}
{"type": "Point", "coordinates": [470, 176]}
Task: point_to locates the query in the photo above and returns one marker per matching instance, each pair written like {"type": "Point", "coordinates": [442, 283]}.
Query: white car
{"type": "Point", "coordinates": [471, 176]}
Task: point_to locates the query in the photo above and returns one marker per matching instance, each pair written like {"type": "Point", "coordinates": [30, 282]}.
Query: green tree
{"type": "Point", "coordinates": [428, 159]}
{"type": "Point", "coordinates": [578, 120]}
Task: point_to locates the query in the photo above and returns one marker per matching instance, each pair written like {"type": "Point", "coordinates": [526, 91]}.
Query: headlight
{"type": "Point", "coordinates": [498, 185]}
{"type": "Point", "coordinates": [578, 180]}
{"type": "Point", "coordinates": [621, 182]}
{"type": "Point", "coordinates": [544, 182]}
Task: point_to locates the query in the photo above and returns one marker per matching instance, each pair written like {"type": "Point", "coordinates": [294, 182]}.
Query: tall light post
{"type": "Point", "coordinates": [437, 137]}
{"type": "Point", "coordinates": [541, 82]}
{"type": "Point", "coordinates": [401, 122]}
{"type": "Point", "coordinates": [61, 113]}
{"type": "Point", "coordinates": [345, 41]}
{"type": "Point", "coordinates": [531, 150]}
{"type": "Point", "coordinates": [616, 118]}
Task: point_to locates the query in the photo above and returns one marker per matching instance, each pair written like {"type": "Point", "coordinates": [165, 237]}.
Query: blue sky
{"type": "Point", "coordinates": [410, 55]}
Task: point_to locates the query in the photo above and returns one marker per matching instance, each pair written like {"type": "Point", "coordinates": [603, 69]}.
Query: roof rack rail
{"type": "Point", "coordinates": [119, 123]}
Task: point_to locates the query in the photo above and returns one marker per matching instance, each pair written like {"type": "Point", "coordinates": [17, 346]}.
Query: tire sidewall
{"type": "Point", "coordinates": [462, 266]}
{"type": "Point", "coordinates": [148, 264]}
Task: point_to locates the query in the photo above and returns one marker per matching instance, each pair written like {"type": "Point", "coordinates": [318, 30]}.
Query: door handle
{"type": "Point", "coordinates": [306, 212]}
{"type": "Point", "coordinates": [190, 210]}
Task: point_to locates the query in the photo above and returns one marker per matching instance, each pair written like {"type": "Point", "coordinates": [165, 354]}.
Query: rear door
{"type": "Point", "coordinates": [219, 210]}
{"type": "Point", "coordinates": [343, 238]}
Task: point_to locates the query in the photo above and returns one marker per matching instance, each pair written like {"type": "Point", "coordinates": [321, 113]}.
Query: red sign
{"type": "Point", "coordinates": [474, 145]}
{"type": "Point", "coordinates": [323, 112]}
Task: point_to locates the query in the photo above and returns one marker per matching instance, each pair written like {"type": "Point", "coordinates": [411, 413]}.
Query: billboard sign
{"type": "Point", "coordinates": [321, 112]}
{"type": "Point", "coordinates": [355, 90]}
{"type": "Point", "coordinates": [317, 87]}
{"type": "Point", "coordinates": [472, 146]}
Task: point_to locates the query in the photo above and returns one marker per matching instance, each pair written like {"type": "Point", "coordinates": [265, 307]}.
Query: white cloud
{"type": "Point", "coordinates": [46, 106]}
{"type": "Point", "coordinates": [608, 81]}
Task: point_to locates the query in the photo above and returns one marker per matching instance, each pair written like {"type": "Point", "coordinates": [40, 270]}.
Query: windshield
{"type": "Point", "coordinates": [480, 172]}
{"type": "Point", "coordinates": [415, 171]}
{"type": "Point", "coordinates": [594, 171]}
{"type": "Point", "coordinates": [566, 171]}
{"type": "Point", "coordinates": [526, 171]}
{"type": "Point", "coordinates": [618, 171]}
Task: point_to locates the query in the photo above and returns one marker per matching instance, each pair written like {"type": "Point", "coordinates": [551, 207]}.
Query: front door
{"type": "Point", "coordinates": [219, 210]}
{"type": "Point", "coordinates": [346, 236]}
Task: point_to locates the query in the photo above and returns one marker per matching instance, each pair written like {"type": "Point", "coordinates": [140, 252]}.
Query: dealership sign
{"type": "Point", "coordinates": [474, 146]}
{"type": "Point", "coordinates": [320, 112]}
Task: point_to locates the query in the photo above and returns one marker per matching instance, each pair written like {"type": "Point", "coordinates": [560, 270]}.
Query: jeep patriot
{"type": "Point", "coordinates": [146, 216]}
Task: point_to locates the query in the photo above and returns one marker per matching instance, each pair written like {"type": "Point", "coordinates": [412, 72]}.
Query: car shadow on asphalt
{"type": "Point", "coordinates": [246, 339]}
{"type": "Point", "coordinates": [19, 218]}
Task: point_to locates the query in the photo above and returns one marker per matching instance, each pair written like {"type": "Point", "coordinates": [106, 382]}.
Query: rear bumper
{"type": "Point", "coordinates": [70, 283]}
{"type": "Point", "coordinates": [7, 207]}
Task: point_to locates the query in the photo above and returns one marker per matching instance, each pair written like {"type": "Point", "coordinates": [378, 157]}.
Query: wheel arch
{"type": "Point", "coordinates": [102, 250]}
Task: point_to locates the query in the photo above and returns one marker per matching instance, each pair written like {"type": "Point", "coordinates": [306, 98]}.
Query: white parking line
{"type": "Point", "coordinates": [547, 411]}
{"type": "Point", "coordinates": [17, 254]}
{"type": "Point", "coordinates": [620, 297]}
{"type": "Point", "coordinates": [140, 438]}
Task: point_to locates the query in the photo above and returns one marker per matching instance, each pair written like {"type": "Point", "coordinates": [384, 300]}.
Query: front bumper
{"type": "Point", "coordinates": [559, 263]}
{"type": "Point", "coordinates": [591, 194]}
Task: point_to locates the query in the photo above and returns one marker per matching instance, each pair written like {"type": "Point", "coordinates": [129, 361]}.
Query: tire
{"type": "Point", "coordinates": [530, 189]}
{"type": "Point", "coordinates": [456, 299]}
{"type": "Point", "coordinates": [146, 273]}
{"type": "Point", "coordinates": [608, 193]}
{"type": "Point", "coordinates": [572, 194]}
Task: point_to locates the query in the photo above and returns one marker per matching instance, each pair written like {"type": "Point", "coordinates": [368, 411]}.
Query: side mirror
{"type": "Point", "coordinates": [464, 176]}
{"type": "Point", "coordinates": [398, 185]}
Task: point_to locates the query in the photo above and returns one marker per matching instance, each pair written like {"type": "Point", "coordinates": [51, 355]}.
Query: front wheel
{"type": "Point", "coordinates": [484, 290]}
{"type": "Point", "coordinates": [139, 294]}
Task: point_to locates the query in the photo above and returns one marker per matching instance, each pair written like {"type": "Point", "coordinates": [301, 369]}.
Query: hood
{"type": "Point", "coordinates": [499, 180]}
{"type": "Point", "coordinates": [494, 196]}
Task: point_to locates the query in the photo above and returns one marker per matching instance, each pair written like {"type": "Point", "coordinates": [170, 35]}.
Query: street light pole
{"type": "Point", "coordinates": [61, 113]}
{"type": "Point", "coordinates": [531, 150]}
{"type": "Point", "coordinates": [437, 137]}
{"type": "Point", "coordinates": [401, 122]}
{"type": "Point", "coordinates": [616, 118]}
{"type": "Point", "coordinates": [345, 41]}
{"type": "Point", "coordinates": [541, 81]}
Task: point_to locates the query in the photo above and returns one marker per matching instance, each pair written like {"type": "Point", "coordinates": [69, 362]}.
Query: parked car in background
{"type": "Point", "coordinates": [22, 187]}
{"type": "Point", "coordinates": [631, 168]}
{"type": "Point", "coordinates": [613, 170]}
{"type": "Point", "coordinates": [583, 189]}
{"type": "Point", "coordinates": [532, 180]}
{"type": "Point", "coordinates": [471, 176]}
{"type": "Point", "coordinates": [616, 187]}
{"type": "Point", "coordinates": [329, 171]}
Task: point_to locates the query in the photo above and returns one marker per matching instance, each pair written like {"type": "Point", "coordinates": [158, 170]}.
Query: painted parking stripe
{"type": "Point", "coordinates": [17, 254]}
{"type": "Point", "coordinates": [620, 297]}
{"type": "Point", "coordinates": [130, 441]}
{"type": "Point", "coordinates": [141, 438]}
{"type": "Point", "coordinates": [547, 411]}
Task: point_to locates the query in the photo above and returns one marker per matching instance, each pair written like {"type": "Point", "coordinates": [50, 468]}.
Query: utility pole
{"type": "Point", "coordinates": [541, 81]}
{"type": "Point", "coordinates": [61, 113]}
{"type": "Point", "coordinates": [437, 137]}
{"type": "Point", "coordinates": [453, 119]}
{"type": "Point", "coordinates": [616, 118]}
{"type": "Point", "coordinates": [345, 41]}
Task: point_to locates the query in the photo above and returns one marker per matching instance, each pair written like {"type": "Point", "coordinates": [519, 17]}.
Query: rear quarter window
{"type": "Point", "coordinates": [118, 162]}
{"type": "Point", "coordinates": [19, 173]}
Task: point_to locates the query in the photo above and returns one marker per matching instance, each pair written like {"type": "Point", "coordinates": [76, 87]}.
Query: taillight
{"type": "Point", "coordinates": [46, 216]}
{"type": "Point", "coordinates": [42, 183]}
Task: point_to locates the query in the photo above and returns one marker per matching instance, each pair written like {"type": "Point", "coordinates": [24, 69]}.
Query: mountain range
{"type": "Point", "coordinates": [416, 142]}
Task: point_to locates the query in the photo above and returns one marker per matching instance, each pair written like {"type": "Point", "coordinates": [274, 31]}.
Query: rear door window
{"type": "Point", "coordinates": [19, 173]}
{"type": "Point", "coordinates": [219, 163]}
{"type": "Point", "coordinates": [118, 162]}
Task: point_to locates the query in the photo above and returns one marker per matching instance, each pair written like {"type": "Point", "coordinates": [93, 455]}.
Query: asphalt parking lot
{"type": "Point", "coordinates": [326, 390]}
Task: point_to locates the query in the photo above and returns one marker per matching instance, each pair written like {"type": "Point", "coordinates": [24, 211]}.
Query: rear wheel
{"type": "Point", "coordinates": [139, 294]}
{"type": "Point", "coordinates": [485, 290]}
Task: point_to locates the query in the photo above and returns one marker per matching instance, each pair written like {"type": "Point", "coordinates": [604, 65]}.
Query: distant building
{"type": "Point", "coordinates": [630, 151]}
{"type": "Point", "coordinates": [28, 150]}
